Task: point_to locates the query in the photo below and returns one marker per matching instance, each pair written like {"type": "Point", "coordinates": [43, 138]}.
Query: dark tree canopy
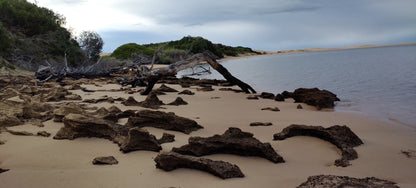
{"type": "Point", "coordinates": [92, 44]}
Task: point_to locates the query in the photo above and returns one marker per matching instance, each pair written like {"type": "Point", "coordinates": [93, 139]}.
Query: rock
{"type": "Point", "coordinates": [315, 97]}
{"type": "Point", "coordinates": [163, 120]}
{"type": "Point", "coordinates": [57, 94]}
{"type": "Point", "coordinates": [9, 121]}
{"type": "Point", "coordinates": [252, 97]}
{"type": "Point", "coordinates": [130, 102]}
{"type": "Point", "coordinates": [73, 97]}
{"type": "Point", "coordinates": [139, 139]}
{"type": "Point", "coordinates": [166, 138]}
{"type": "Point", "coordinates": [409, 153]}
{"type": "Point", "coordinates": [186, 92]}
{"type": "Point", "coordinates": [266, 95]}
{"type": "Point", "coordinates": [329, 181]}
{"type": "Point", "coordinates": [70, 108]}
{"type": "Point", "coordinates": [169, 161]}
{"type": "Point", "coordinates": [299, 106]}
{"type": "Point", "coordinates": [151, 101]}
{"type": "Point", "coordinates": [164, 88]}
{"type": "Point", "coordinates": [110, 160]}
{"type": "Point", "coordinates": [3, 170]}
{"type": "Point", "coordinates": [102, 99]}
{"type": "Point", "coordinates": [206, 88]}
{"type": "Point", "coordinates": [19, 133]}
{"type": "Point", "coordinates": [44, 134]}
{"type": "Point", "coordinates": [279, 97]}
{"type": "Point", "coordinates": [2, 142]}
{"type": "Point", "coordinates": [233, 141]}
{"type": "Point", "coordinates": [287, 94]}
{"type": "Point", "coordinates": [178, 101]}
{"type": "Point", "coordinates": [261, 124]}
{"type": "Point", "coordinates": [275, 109]}
{"type": "Point", "coordinates": [340, 136]}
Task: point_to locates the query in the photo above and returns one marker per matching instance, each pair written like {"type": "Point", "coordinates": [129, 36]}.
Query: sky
{"type": "Point", "coordinates": [259, 24]}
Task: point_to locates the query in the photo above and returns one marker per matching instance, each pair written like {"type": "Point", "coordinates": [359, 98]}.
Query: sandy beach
{"type": "Point", "coordinates": [45, 162]}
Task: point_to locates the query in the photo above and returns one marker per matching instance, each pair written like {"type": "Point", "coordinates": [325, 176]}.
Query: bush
{"type": "Point", "coordinates": [5, 41]}
{"type": "Point", "coordinates": [127, 50]}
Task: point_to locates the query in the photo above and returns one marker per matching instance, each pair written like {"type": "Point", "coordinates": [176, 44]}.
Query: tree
{"type": "Point", "coordinates": [92, 44]}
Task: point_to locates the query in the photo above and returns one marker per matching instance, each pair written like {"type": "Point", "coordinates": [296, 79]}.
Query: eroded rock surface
{"type": "Point", "coordinates": [109, 160]}
{"type": "Point", "coordinates": [330, 181]}
{"type": "Point", "coordinates": [340, 136]}
{"type": "Point", "coordinates": [169, 161]}
{"type": "Point", "coordinates": [163, 120]}
{"type": "Point", "coordinates": [139, 139]}
{"type": "Point", "coordinates": [178, 101]}
{"type": "Point", "coordinates": [233, 141]}
{"type": "Point", "coordinates": [166, 138]}
{"type": "Point", "coordinates": [164, 88]}
{"type": "Point", "coordinates": [313, 96]}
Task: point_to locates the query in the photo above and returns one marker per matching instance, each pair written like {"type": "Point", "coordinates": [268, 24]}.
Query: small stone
{"type": "Point", "coordinates": [261, 124]}
{"type": "Point", "coordinates": [266, 95]}
{"type": "Point", "coordinates": [275, 109]}
{"type": "Point", "coordinates": [166, 138]}
{"type": "Point", "coordinates": [3, 170]}
{"type": "Point", "coordinates": [20, 133]}
{"type": "Point", "coordinates": [178, 101]}
{"type": "Point", "coordinates": [252, 97]}
{"type": "Point", "coordinates": [186, 92]}
{"type": "Point", "coordinates": [279, 97]}
{"type": "Point", "coordinates": [44, 134]}
{"type": "Point", "coordinates": [110, 160]}
{"type": "Point", "coordinates": [299, 106]}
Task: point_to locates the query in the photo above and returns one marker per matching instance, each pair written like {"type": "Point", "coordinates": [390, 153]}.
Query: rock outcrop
{"type": "Point", "coordinates": [329, 181]}
{"type": "Point", "coordinates": [163, 120]}
{"type": "Point", "coordinates": [266, 95]}
{"type": "Point", "coordinates": [151, 101]}
{"type": "Point", "coordinates": [109, 160]}
{"type": "Point", "coordinates": [340, 136]}
{"type": "Point", "coordinates": [139, 139]}
{"type": "Point", "coordinates": [169, 161]}
{"type": "Point", "coordinates": [233, 141]}
{"type": "Point", "coordinates": [186, 92]}
{"type": "Point", "coordinates": [164, 88]}
{"type": "Point", "coordinates": [313, 96]}
{"type": "Point", "coordinates": [178, 101]}
{"type": "Point", "coordinates": [166, 138]}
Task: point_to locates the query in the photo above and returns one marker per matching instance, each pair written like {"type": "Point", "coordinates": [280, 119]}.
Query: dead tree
{"type": "Point", "coordinates": [154, 75]}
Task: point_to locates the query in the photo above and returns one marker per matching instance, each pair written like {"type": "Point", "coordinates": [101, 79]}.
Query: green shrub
{"type": "Point", "coordinates": [5, 41]}
{"type": "Point", "coordinates": [127, 50]}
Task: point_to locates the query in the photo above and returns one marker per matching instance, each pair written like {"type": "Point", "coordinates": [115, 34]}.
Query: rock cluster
{"type": "Point", "coordinates": [169, 161]}
{"type": "Point", "coordinates": [233, 141]}
{"type": "Point", "coordinates": [313, 96]}
{"type": "Point", "coordinates": [340, 136]}
{"type": "Point", "coordinates": [329, 181]}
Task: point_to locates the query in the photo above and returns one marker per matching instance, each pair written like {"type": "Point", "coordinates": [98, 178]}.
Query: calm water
{"type": "Point", "coordinates": [380, 81]}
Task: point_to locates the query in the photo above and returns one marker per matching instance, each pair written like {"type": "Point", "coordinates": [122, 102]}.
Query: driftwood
{"type": "Point", "coordinates": [154, 75]}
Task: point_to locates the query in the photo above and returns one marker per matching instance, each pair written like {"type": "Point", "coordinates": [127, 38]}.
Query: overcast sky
{"type": "Point", "coordinates": [260, 24]}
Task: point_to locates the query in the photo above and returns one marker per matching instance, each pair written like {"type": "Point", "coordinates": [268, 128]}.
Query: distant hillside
{"type": "Point", "coordinates": [175, 50]}
{"type": "Point", "coordinates": [30, 36]}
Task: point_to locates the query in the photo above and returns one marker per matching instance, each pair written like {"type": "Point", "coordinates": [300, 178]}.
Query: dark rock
{"type": "Point", "coordinates": [275, 109]}
{"type": "Point", "coordinates": [166, 138]}
{"type": "Point", "coordinates": [19, 133]}
{"type": "Point", "coordinates": [266, 95]}
{"type": "Point", "coordinates": [231, 89]}
{"type": "Point", "coordinates": [3, 170]}
{"type": "Point", "coordinates": [130, 102]}
{"type": "Point", "coordinates": [233, 141]}
{"type": "Point", "coordinates": [87, 90]}
{"type": "Point", "coordinates": [140, 139]}
{"type": "Point", "coordinates": [252, 97]}
{"type": "Point", "coordinates": [44, 134]}
{"type": "Point", "coordinates": [329, 181]}
{"type": "Point", "coordinates": [315, 97]}
{"type": "Point", "coordinates": [287, 94]}
{"type": "Point", "coordinates": [163, 120]}
{"type": "Point", "coordinates": [2, 142]}
{"type": "Point", "coordinates": [178, 101]}
{"type": "Point", "coordinates": [99, 100]}
{"type": "Point", "coordinates": [299, 106]}
{"type": "Point", "coordinates": [151, 101]}
{"type": "Point", "coordinates": [279, 97]}
{"type": "Point", "coordinates": [261, 124]}
{"type": "Point", "coordinates": [186, 92]}
{"type": "Point", "coordinates": [340, 136]}
{"type": "Point", "coordinates": [9, 121]}
{"type": "Point", "coordinates": [169, 161]}
{"type": "Point", "coordinates": [110, 160]}
{"type": "Point", "coordinates": [164, 88]}
{"type": "Point", "coordinates": [207, 88]}
{"type": "Point", "coordinates": [73, 97]}
{"type": "Point", "coordinates": [409, 153]}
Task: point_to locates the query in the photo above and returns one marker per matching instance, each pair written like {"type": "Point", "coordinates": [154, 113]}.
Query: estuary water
{"type": "Point", "coordinates": [379, 81]}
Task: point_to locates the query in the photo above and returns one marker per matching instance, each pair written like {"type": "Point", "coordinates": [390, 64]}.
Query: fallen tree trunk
{"type": "Point", "coordinates": [153, 76]}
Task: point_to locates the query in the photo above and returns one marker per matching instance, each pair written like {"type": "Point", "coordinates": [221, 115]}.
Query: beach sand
{"type": "Point", "coordinates": [44, 162]}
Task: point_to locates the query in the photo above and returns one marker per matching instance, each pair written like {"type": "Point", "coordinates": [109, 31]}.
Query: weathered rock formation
{"type": "Point", "coordinates": [186, 92]}
{"type": "Point", "coordinates": [340, 136]}
{"type": "Point", "coordinates": [70, 108]}
{"type": "Point", "coordinates": [233, 141]}
{"type": "Point", "coordinates": [169, 161]}
{"type": "Point", "coordinates": [3, 170]}
{"type": "Point", "coordinates": [109, 160]}
{"type": "Point", "coordinates": [163, 120]}
{"type": "Point", "coordinates": [330, 181]}
{"type": "Point", "coordinates": [164, 88]}
{"type": "Point", "coordinates": [275, 109]}
{"type": "Point", "coordinates": [151, 101]}
{"type": "Point", "coordinates": [166, 138]}
{"type": "Point", "coordinates": [313, 96]}
{"type": "Point", "coordinates": [139, 139]}
{"type": "Point", "coordinates": [266, 95]}
{"type": "Point", "coordinates": [130, 102]}
{"type": "Point", "coordinates": [178, 101]}
{"type": "Point", "coordinates": [260, 124]}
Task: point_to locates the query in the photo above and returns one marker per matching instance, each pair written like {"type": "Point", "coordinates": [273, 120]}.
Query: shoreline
{"type": "Point", "coordinates": [45, 162]}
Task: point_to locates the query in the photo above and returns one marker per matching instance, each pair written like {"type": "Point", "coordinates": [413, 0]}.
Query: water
{"type": "Point", "coordinates": [379, 81]}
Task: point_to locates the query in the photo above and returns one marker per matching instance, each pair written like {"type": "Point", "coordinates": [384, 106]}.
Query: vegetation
{"type": "Point", "coordinates": [92, 44]}
{"type": "Point", "coordinates": [175, 50]}
{"type": "Point", "coordinates": [30, 35]}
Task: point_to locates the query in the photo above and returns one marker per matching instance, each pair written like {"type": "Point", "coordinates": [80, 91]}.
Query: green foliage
{"type": "Point", "coordinates": [7, 65]}
{"type": "Point", "coordinates": [92, 44]}
{"type": "Point", "coordinates": [127, 50]}
{"type": "Point", "coordinates": [195, 45]}
{"type": "Point", "coordinates": [5, 41]}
